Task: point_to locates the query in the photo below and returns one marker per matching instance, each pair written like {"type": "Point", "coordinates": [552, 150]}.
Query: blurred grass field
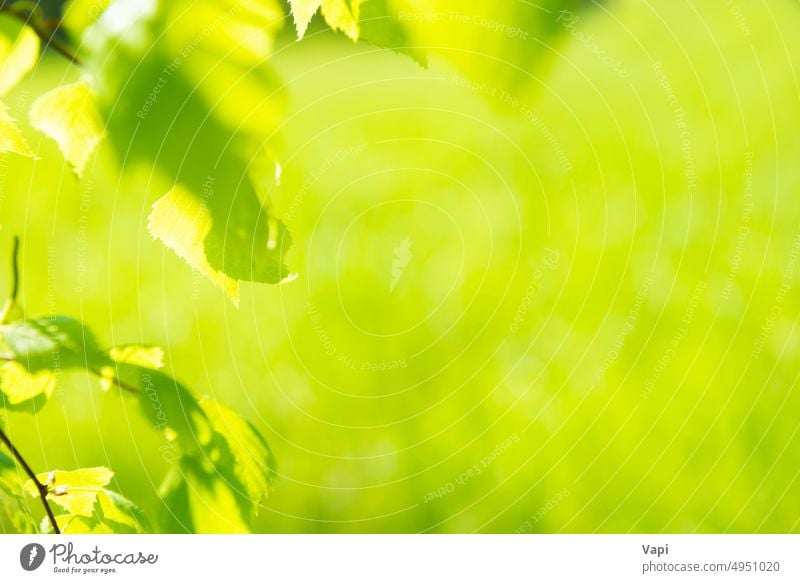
{"type": "Point", "coordinates": [596, 328]}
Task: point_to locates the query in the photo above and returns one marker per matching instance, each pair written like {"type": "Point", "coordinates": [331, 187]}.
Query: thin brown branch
{"type": "Point", "coordinates": [42, 488]}
{"type": "Point", "coordinates": [12, 296]}
{"type": "Point", "coordinates": [14, 270]}
{"type": "Point", "coordinates": [120, 383]}
{"type": "Point", "coordinates": [48, 37]}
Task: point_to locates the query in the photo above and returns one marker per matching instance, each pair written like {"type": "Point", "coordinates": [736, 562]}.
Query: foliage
{"type": "Point", "coordinates": [212, 446]}
{"type": "Point", "coordinates": [215, 214]}
{"type": "Point", "coordinates": [568, 230]}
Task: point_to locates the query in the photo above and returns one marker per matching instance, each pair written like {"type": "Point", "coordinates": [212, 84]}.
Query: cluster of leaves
{"type": "Point", "coordinates": [223, 466]}
{"type": "Point", "coordinates": [156, 72]}
{"type": "Point", "coordinates": [151, 74]}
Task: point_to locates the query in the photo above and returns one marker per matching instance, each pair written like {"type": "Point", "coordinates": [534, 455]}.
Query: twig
{"type": "Point", "coordinates": [10, 302]}
{"type": "Point", "coordinates": [48, 37]}
{"type": "Point", "coordinates": [39, 486]}
{"type": "Point", "coordinates": [12, 296]}
{"type": "Point", "coordinates": [14, 270]}
{"type": "Point", "coordinates": [117, 381]}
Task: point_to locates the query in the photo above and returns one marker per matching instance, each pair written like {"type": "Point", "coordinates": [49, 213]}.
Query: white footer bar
{"type": "Point", "coordinates": [402, 558]}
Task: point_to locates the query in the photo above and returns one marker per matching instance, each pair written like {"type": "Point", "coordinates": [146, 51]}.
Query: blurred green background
{"type": "Point", "coordinates": [592, 326]}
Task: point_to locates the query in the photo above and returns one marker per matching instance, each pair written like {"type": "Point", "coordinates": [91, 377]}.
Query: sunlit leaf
{"type": "Point", "coordinates": [182, 223]}
{"type": "Point", "coordinates": [75, 491]}
{"type": "Point", "coordinates": [77, 524]}
{"type": "Point", "coordinates": [54, 343]}
{"type": "Point", "coordinates": [250, 459]}
{"type": "Point", "coordinates": [194, 110]}
{"type": "Point", "coordinates": [146, 356]}
{"type": "Point", "coordinates": [19, 50]}
{"type": "Point", "coordinates": [112, 514]}
{"type": "Point", "coordinates": [68, 115]}
{"type": "Point", "coordinates": [198, 500]}
{"type": "Point", "coordinates": [151, 357]}
{"type": "Point", "coordinates": [302, 13]}
{"type": "Point", "coordinates": [19, 385]}
{"type": "Point", "coordinates": [497, 44]}
{"type": "Point", "coordinates": [340, 15]}
{"type": "Point", "coordinates": [168, 406]}
{"type": "Point", "coordinates": [11, 138]}
{"type": "Point", "coordinates": [381, 27]}
{"type": "Point", "coordinates": [119, 513]}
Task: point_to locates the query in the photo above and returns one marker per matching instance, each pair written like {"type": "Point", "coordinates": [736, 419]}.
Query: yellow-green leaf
{"type": "Point", "coordinates": [19, 385]}
{"type": "Point", "coordinates": [340, 15]}
{"type": "Point", "coordinates": [181, 222]}
{"type": "Point", "coordinates": [19, 50]}
{"type": "Point", "coordinates": [251, 460]}
{"type": "Point", "coordinates": [119, 513]}
{"type": "Point", "coordinates": [68, 115]}
{"type": "Point", "coordinates": [302, 12]}
{"type": "Point", "coordinates": [11, 138]}
{"type": "Point", "coordinates": [343, 16]}
{"type": "Point", "coordinates": [75, 491]}
{"type": "Point", "coordinates": [74, 524]}
{"type": "Point", "coordinates": [146, 356]}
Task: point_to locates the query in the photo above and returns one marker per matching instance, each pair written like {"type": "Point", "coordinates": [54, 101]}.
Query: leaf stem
{"type": "Point", "coordinates": [32, 475]}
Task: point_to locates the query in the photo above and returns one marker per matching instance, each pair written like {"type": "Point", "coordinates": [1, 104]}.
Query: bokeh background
{"type": "Point", "coordinates": [573, 311]}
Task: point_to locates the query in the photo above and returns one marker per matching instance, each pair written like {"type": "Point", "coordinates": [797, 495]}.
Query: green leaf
{"type": "Point", "coordinates": [168, 405]}
{"type": "Point", "coordinates": [247, 457]}
{"type": "Point", "coordinates": [193, 110]}
{"type": "Point", "coordinates": [198, 500]}
{"type": "Point", "coordinates": [497, 44]}
{"type": "Point", "coordinates": [119, 513]}
{"type": "Point", "coordinates": [112, 513]}
{"type": "Point", "coordinates": [69, 116]}
{"type": "Point", "coordinates": [343, 15]}
{"type": "Point", "coordinates": [11, 138]}
{"type": "Point", "coordinates": [340, 15]}
{"type": "Point", "coordinates": [220, 488]}
{"type": "Point", "coordinates": [146, 356]}
{"type": "Point", "coordinates": [75, 491]}
{"type": "Point", "coordinates": [19, 51]}
{"type": "Point", "coordinates": [19, 385]}
{"type": "Point", "coordinates": [380, 28]}
{"type": "Point", "coordinates": [151, 357]}
{"type": "Point", "coordinates": [302, 13]}
{"type": "Point", "coordinates": [51, 344]}
{"type": "Point", "coordinates": [182, 223]}
{"type": "Point", "coordinates": [76, 524]}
